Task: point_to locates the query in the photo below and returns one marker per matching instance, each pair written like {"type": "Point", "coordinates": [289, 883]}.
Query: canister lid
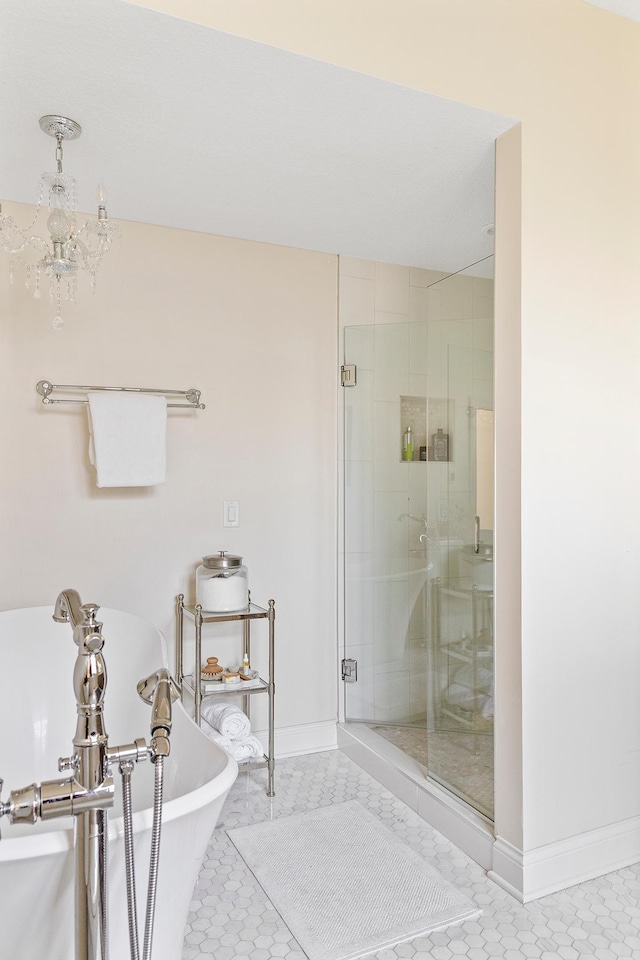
{"type": "Point", "coordinates": [222, 560]}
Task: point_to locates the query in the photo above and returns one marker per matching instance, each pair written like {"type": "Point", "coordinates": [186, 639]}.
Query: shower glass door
{"type": "Point", "coordinates": [418, 564]}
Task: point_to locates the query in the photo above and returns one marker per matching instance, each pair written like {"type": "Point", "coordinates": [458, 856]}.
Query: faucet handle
{"type": "Point", "coordinates": [90, 610]}
{"type": "Point", "coordinates": [69, 763]}
{"type": "Point", "coordinates": [87, 633]}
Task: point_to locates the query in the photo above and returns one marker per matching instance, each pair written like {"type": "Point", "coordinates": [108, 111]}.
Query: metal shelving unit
{"type": "Point", "coordinates": [476, 651]}
{"type": "Point", "coordinates": [199, 688]}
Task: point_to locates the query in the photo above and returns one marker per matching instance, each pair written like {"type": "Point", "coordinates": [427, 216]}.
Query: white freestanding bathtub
{"type": "Point", "coordinates": [37, 724]}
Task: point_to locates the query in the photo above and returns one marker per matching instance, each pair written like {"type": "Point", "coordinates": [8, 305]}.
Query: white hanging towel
{"type": "Point", "coordinates": [128, 438]}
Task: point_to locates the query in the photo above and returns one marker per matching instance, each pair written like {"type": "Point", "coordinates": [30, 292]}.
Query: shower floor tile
{"type": "Point", "coordinates": [464, 761]}
{"type": "Point", "coordinates": [231, 916]}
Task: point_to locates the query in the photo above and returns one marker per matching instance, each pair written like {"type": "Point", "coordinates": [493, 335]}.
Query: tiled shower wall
{"type": "Point", "coordinates": [411, 334]}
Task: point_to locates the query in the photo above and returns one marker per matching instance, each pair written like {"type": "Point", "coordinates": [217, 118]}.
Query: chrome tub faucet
{"type": "Point", "coordinates": [88, 791]}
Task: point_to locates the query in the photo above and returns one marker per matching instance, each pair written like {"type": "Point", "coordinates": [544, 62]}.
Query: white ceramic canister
{"type": "Point", "coordinates": [222, 583]}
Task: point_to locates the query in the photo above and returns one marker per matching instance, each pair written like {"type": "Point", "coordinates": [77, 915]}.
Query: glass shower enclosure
{"type": "Point", "coordinates": [418, 522]}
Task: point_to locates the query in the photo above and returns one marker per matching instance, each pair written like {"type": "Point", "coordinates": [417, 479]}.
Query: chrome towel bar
{"type": "Point", "coordinates": [45, 389]}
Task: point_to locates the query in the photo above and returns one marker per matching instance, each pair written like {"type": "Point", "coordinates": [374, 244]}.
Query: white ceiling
{"type": "Point", "coordinates": [202, 130]}
{"type": "Point", "coordinates": [625, 8]}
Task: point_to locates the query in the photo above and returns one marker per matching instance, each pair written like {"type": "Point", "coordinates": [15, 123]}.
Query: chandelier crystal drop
{"type": "Point", "coordinates": [68, 248]}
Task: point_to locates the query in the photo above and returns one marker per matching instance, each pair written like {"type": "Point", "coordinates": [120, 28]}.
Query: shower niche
{"type": "Point", "coordinates": [429, 421]}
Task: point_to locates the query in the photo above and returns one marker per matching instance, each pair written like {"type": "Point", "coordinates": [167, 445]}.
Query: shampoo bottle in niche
{"type": "Point", "coordinates": [407, 444]}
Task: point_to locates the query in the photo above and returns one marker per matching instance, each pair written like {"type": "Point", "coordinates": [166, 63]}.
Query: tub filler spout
{"type": "Point", "coordinates": [88, 792]}
{"type": "Point", "coordinates": [68, 608]}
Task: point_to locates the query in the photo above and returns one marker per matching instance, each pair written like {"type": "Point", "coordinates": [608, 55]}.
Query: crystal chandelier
{"type": "Point", "coordinates": [68, 247]}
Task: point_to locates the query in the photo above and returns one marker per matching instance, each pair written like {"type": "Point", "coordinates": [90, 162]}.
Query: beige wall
{"type": "Point", "coordinates": [568, 71]}
{"type": "Point", "coordinates": [254, 327]}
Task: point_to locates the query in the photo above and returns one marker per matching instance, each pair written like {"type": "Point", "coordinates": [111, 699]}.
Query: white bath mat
{"type": "Point", "coordinates": [344, 884]}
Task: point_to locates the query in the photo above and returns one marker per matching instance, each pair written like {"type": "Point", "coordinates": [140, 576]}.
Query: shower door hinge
{"type": "Point", "coordinates": [348, 374]}
{"type": "Point", "coordinates": [349, 671]}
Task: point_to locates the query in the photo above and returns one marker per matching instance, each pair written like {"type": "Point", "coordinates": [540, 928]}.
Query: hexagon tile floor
{"type": "Point", "coordinates": [231, 916]}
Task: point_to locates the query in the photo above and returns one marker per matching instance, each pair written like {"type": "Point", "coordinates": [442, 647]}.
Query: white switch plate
{"type": "Point", "coordinates": [231, 513]}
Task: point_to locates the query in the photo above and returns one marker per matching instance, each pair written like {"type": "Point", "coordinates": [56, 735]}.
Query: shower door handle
{"type": "Point", "coordinates": [476, 534]}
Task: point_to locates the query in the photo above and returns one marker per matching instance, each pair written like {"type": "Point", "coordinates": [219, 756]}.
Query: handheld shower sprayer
{"type": "Point", "coordinates": [159, 689]}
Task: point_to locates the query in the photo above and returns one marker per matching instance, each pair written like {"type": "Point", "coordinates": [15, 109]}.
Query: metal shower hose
{"type": "Point", "coordinates": [125, 770]}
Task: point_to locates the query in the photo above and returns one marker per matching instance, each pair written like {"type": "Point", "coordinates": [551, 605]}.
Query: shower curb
{"type": "Point", "coordinates": [405, 778]}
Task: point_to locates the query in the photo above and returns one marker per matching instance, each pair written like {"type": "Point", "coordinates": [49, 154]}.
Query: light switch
{"type": "Point", "coordinates": [231, 513]}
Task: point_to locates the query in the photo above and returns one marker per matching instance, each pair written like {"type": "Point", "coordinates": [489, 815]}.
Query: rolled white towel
{"type": "Point", "coordinates": [483, 678]}
{"type": "Point", "coordinates": [460, 696]}
{"type": "Point", "coordinates": [227, 719]}
{"type": "Point", "coordinates": [248, 749]}
{"type": "Point", "coordinates": [213, 734]}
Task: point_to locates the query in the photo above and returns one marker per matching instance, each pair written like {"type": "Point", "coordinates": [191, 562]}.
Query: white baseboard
{"type": "Point", "coordinates": [526, 876]}
{"type": "Point", "coordinates": [302, 738]}
{"type": "Point", "coordinates": [559, 865]}
{"type": "Point", "coordinates": [508, 868]}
